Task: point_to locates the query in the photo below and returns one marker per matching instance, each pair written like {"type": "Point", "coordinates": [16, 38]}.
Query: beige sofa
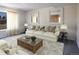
{"type": "Point", "coordinates": [43, 35]}
{"type": "Point", "coordinates": [12, 51]}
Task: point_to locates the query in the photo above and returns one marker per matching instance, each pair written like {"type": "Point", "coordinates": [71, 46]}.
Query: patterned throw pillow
{"type": "Point", "coordinates": [51, 29]}
{"type": "Point", "coordinates": [47, 29]}
{"type": "Point", "coordinates": [42, 28]}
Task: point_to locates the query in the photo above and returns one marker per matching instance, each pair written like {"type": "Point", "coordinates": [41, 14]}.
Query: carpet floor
{"type": "Point", "coordinates": [49, 47]}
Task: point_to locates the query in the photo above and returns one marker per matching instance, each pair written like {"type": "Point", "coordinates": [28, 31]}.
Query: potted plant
{"type": "Point", "coordinates": [33, 38]}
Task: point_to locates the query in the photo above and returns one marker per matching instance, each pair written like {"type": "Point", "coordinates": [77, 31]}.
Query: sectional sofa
{"type": "Point", "coordinates": [47, 35]}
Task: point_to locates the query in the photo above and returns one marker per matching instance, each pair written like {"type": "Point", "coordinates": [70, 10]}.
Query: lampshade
{"type": "Point", "coordinates": [64, 28]}
{"type": "Point", "coordinates": [26, 25]}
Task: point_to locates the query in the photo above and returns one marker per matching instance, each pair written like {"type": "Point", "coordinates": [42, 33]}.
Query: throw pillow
{"type": "Point", "coordinates": [48, 29]}
{"type": "Point", "coordinates": [42, 28]}
{"type": "Point", "coordinates": [52, 29]}
{"type": "Point", "coordinates": [33, 27]}
{"type": "Point", "coordinates": [37, 28]}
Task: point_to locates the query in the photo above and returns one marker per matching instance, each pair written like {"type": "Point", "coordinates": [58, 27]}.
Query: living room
{"type": "Point", "coordinates": [32, 20]}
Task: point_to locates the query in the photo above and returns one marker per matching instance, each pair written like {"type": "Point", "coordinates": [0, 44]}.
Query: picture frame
{"type": "Point", "coordinates": [56, 16]}
{"type": "Point", "coordinates": [34, 17]}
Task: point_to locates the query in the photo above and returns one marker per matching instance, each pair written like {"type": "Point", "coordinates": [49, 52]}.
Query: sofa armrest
{"type": "Point", "coordinates": [57, 33]}
{"type": "Point", "coordinates": [2, 52]}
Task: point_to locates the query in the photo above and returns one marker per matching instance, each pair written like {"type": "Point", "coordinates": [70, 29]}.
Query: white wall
{"type": "Point", "coordinates": [69, 18]}
{"type": "Point", "coordinates": [43, 16]}
{"type": "Point", "coordinates": [21, 21]}
{"type": "Point", "coordinates": [78, 25]}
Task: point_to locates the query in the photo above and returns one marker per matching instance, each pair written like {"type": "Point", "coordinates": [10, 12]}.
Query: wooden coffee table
{"type": "Point", "coordinates": [28, 44]}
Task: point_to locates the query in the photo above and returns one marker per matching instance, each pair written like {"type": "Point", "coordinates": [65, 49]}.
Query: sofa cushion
{"type": "Point", "coordinates": [39, 33]}
{"type": "Point", "coordinates": [33, 27]}
{"type": "Point", "coordinates": [45, 35]}
{"type": "Point", "coordinates": [37, 28]}
{"type": "Point", "coordinates": [30, 31]}
{"type": "Point", "coordinates": [47, 38]}
{"type": "Point", "coordinates": [49, 34]}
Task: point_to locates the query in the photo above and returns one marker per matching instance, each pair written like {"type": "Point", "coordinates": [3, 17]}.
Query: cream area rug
{"type": "Point", "coordinates": [48, 48]}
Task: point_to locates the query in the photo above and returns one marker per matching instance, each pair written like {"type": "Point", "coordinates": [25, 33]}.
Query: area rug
{"type": "Point", "coordinates": [49, 47]}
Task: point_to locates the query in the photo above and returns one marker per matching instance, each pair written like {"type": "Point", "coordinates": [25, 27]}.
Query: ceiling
{"type": "Point", "coordinates": [30, 6]}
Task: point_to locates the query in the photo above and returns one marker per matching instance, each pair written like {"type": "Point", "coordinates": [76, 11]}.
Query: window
{"type": "Point", "coordinates": [3, 20]}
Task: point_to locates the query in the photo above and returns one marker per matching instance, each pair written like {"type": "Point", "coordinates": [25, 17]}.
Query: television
{"type": "Point", "coordinates": [3, 20]}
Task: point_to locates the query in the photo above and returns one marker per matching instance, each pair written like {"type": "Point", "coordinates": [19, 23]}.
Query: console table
{"type": "Point", "coordinates": [62, 36]}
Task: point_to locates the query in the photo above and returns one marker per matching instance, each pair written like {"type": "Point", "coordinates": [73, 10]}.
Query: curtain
{"type": "Point", "coordinates": [12, 22]}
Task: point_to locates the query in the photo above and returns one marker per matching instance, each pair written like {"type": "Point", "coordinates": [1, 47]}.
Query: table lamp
{"type": "Point", "coordinates": [63, 28]}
